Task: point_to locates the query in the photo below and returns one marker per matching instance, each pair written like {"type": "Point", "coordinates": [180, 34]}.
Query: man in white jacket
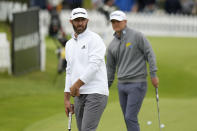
{"type": "Point", "coordinates": [86, 75]}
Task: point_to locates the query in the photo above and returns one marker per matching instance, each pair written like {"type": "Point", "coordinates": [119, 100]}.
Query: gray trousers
{"type": "Point", "coordinates": [88, 110]}
{"type": "Point", "coordinates": [131, 96]}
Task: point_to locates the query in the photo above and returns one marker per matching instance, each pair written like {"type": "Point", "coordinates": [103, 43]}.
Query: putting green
{"type": "Point", "coordinates": [34, 102]}
{"type": "Point", "coordinates": [176, 115]}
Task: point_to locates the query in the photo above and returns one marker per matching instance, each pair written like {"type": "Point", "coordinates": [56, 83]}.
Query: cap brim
{"type": "Point", "coordinates": [116, 18]}
{"type": "Point", "coordinates": [79, 15]}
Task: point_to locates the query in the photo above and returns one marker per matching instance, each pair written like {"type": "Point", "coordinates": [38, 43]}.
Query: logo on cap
{"type": "Point", "coordinates": [78, 12]}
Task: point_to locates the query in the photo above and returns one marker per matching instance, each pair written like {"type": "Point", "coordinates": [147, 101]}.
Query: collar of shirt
{"type": "Point", "coordinates": [124, 31]}
{"type": "Point", "coordinates": [80, 35]}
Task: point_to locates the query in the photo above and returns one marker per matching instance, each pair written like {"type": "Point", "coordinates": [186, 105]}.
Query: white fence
{"type": "Point", "coordinates": [5, 63]}
{"type": "Point", "coordinates": [164, 25]}
{"type": "Point", "coordinates": [7, 8]}
{"type": "Point", "coordinates": [149, 24]}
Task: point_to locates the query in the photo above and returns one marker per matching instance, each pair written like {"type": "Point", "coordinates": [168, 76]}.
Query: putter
{"type": "Point", "coordinates": [69, 120]}
{"type": "Point", "coordinates": [157, 99]}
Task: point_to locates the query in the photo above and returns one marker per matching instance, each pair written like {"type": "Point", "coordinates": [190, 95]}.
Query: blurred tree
{"type": "Point", "coordinates": [87, 4]}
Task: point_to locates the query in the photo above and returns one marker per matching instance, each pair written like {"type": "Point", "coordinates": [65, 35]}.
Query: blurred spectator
{"type": "Point", "coordinates": [38, 3]}
{"type": "Point", "coordinates": [194, 11]}
{"type": "Point", "coordinates": [160, 4]}
{"type": "Point", "coordinates": [55, 23]}
{"type": "Point", "coordinates": [53, 7]}
{"type": "Point", "coordinates": [107, 8]}
{"type": "Point", "coordinates": [140, 4]}
{"type": "Point", "coordinates": [71, 4]}
{"type": "Point", "coordinates": [97, 3]}
{"type": "Point", "coordinates": [145, 5]}
{"type": "Point", "coordinates": [57, 33]}
{"type": "Point", "coordinates": [187, 6]}
{"type": "Point", "coordinates": [125, 5]}
{"type": "Point", "coordinates": [172, 6]}
{"type": "Point", "coordinates": [54, 3]}
{"type": "Point", "coordinates": [150, 6]}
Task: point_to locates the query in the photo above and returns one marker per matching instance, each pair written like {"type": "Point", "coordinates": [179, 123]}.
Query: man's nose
{"type": "Point", "coordinates": [80, 22]}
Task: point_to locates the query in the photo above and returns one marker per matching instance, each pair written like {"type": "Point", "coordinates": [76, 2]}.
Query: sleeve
{"type": "Point", "coordinates": [96, 53]}
{"type": "Point", "coordinates": [111, 67]}
{"type": "Point", "coordinates": [146, 48]}
{"type": "Point", "coordinates": [68, 73]}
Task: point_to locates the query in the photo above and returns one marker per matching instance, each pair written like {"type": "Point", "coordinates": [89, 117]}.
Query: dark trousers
{"type": "Point", "coordinates": [131, 96]}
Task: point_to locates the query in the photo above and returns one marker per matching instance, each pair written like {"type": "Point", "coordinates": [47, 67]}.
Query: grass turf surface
{"type": "Point", "coordinates": [35, 101]}
{"type": "Point", "coordinates": [172, 113]}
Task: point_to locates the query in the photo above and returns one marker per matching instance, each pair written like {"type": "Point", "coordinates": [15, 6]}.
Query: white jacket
{"type": "Point", "coordinates": [85, 56]}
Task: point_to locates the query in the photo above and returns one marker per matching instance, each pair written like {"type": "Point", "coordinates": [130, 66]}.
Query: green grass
{"type": "Point", "coordinates": [173, 116]}
{"type": "Point", "coordinates": [34, 101]}
{"type": "Point", "coordinates": [176, 58]}
{"type": "Point", "coordinates": [31, 97]}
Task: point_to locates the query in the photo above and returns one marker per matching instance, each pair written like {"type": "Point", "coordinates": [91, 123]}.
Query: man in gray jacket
{"type": "Point", "coordinates": [128, 53]}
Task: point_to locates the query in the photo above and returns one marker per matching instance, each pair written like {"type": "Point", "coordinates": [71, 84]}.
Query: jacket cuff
{"type": "Point", "coordinates": [153, 74]}
{"type": "Point", "coordinates": [84, 79]}
{"type": "Point", "coordinates": [67, 90]}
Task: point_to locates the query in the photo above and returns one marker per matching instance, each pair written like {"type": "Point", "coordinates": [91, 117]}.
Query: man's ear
{"type": "Point", "coordinates": [71, 21]}
{"type": "Point", "coordinates": [87, 20]}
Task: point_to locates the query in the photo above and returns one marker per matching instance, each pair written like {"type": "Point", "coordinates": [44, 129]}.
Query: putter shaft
{"type": "Point", "coordinates": [157, 99]}
{"type": "Point", "coordinates": [70, 119]}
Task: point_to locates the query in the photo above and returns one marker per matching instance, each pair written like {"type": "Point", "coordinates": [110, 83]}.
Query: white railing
{"type": "Point", "coordinates": [5, 63]}
{"type": "Point", "coordinates": [7, 8]}
{"type": "Point", "coordinates": [164, 25]}
{"type": "Point", "coordinates": [149, 24]}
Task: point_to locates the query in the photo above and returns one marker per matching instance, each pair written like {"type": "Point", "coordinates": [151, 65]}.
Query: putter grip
{"type": "Point", "coordinates": [69, 120]}
{"type": "Point", "coordinates": [157, 94]}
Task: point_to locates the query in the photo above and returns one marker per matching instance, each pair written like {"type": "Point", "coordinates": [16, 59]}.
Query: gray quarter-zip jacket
{"type": "Point", "coordinates": [129, 55]}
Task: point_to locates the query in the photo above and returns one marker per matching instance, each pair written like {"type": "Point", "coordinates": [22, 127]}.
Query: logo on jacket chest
{"type": "Point", "coordinates": [129, 45]}
{"type": "Point", "coordinates": [83, 47]}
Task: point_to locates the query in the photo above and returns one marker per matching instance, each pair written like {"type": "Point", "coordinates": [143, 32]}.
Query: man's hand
{"type": "Point", "coordinates": [67, 103]}
{"type": "Point", "coordinates": [74, 90]}
{"type": "Point", "coordinates": [155, 81]}
{"type": "Point", "coordinates": [68, 108]}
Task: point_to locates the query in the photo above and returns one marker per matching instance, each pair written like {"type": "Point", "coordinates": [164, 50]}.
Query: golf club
{"type": "Point", "coordinates": [70, 119]}
{"type": "Point", "coordinates": [157, 99]}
